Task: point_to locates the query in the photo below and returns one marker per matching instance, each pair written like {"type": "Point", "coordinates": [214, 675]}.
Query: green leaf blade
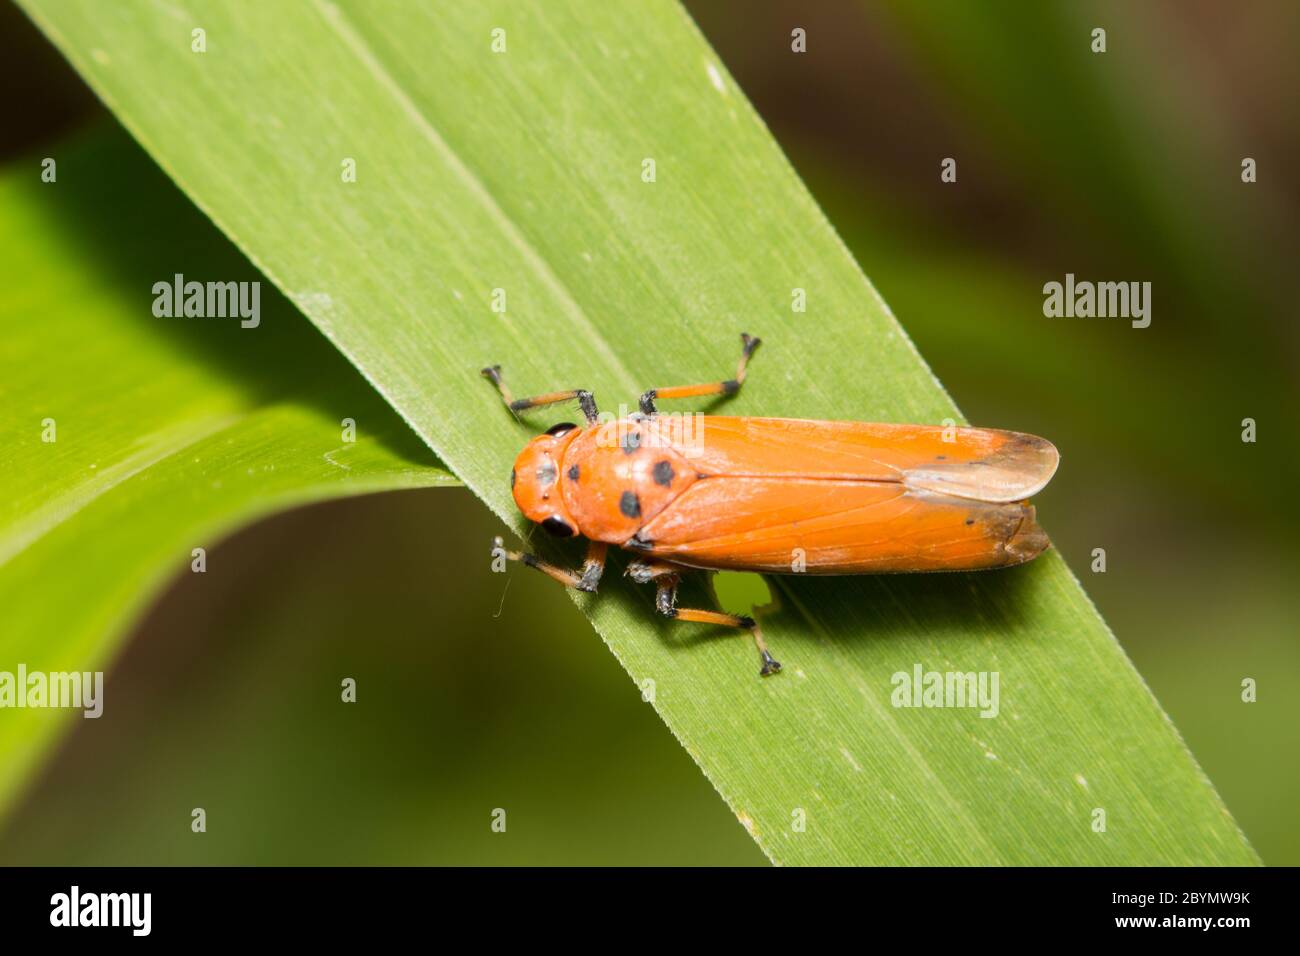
{"type": "Point", "coordinates": [522, 171]}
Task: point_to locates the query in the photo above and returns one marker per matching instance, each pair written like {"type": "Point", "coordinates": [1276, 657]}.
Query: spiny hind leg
{"type": "Point", "coordinates": [667, 576]}
{"type": "Point", "coordinates": [588, 580]}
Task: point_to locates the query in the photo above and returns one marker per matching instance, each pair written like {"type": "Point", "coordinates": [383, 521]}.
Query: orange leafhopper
{"type": "Point", "coordinates": [773, 495]}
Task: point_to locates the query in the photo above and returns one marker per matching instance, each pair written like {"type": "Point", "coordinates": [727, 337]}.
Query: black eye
{"type": "Point", "coordinates": [558, 527]}
{"type": "Point", "coordinates": [560, 429]}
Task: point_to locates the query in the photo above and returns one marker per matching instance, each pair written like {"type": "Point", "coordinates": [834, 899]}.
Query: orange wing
{"type": "Point", "coordinates": [783, 495]}
{"type": "Point", "coordinates": [981, 463]}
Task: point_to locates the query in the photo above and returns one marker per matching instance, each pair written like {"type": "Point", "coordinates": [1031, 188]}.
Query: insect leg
{"type": "Point", "coordinates": [729, 387]}
{"type": "Point", "coordinates": [592, 568]}
{"type": "Point", "coordinates": [645, 570]}
{"type": "Point", "coordinates": [667, 577]}
{"type": "Point", "coordinates": [585, 399]}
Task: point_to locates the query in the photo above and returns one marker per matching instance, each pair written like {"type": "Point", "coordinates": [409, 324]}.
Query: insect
{"type": "Point", "coordinates": [773, 495]}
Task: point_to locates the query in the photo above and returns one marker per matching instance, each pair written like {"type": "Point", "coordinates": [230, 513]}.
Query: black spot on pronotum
{"type": "Point", "coordinates": [663, 473]}
{"type": "Point", "coordinates": [560, 429]}
{"type": "Point", "coordinates": [630, 504]}
{"type": "Point", "coordinates": [573, 472]}
{"type": "Point", "coordinates": [970, 520]}
{"type": "Point", "coordinates": [557, 526]}
{"type": "Point", "coordinates": [546, 473]}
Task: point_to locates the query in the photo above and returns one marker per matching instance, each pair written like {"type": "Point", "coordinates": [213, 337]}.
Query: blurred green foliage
{"type": "Point", "coordinates": [132, 439]}
{"type": "Point", "coordinates": [475, 692]}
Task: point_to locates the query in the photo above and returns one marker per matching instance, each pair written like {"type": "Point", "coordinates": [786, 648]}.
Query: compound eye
{"type": "Point", "coordinates": [556, 431]}
{"type": "Point", "coordinates": [557, 526]}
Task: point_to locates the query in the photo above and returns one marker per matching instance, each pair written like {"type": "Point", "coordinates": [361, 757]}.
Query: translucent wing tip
{"type": "Point", "coordinates": [1019, 467]}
